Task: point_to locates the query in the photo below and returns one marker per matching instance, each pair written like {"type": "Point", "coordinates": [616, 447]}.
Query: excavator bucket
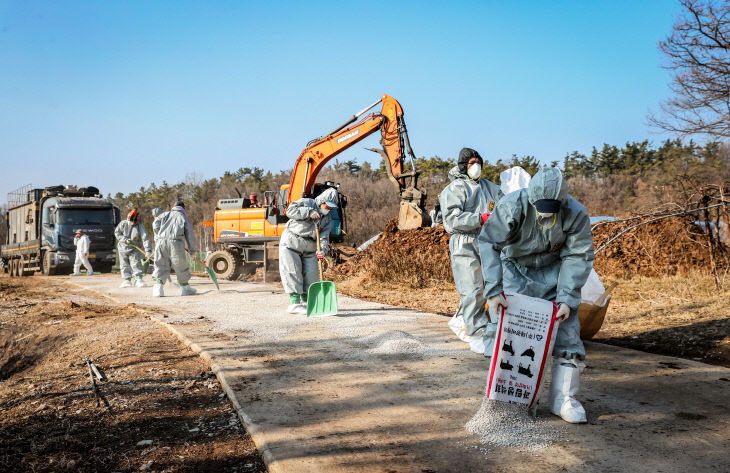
{"type": "Point", "coordinates": [410, 216]}
{"type": "Point", "coordinates": [412, 213]}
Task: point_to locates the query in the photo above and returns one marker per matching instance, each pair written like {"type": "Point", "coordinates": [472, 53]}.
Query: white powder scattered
{"type": "Point", "coordinates": [395, 342]}
{"type": "Point", "coordinates": [401, 347]}
{"type": "Point", "coordinates": [501, 425]}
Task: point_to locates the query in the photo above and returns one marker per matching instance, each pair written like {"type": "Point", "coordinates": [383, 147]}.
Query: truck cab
{"type": "Point", "coordinates": [41, 226]}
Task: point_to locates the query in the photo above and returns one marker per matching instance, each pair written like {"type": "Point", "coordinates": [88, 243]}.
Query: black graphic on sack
{"type": "Point", "coordinates": [529, 352]}
{"type": "Point", "coordinates": [508, 348]}
{"type": "Point", "coordinates": [525, 371]}
{"type": "Point", "coordinates": [505, 365]}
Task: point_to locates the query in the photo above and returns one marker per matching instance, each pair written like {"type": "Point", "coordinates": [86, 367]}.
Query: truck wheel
{"type": "Point", "coordinates": [11, 266]}
{"type": "Point", "coordinates": [225, 264]}
{"type": "Point", "coordinates": [46, 264]}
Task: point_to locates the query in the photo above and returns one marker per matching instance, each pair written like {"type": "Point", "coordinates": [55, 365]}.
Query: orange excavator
{"type": "Point", "coordinates": [245, 228]}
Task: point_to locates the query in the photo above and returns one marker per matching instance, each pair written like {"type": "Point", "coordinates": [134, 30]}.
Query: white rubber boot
{"type": "Point", "coordinates": [301, 308]}
{"type": "Point", "coordinates": [157, 290]}
{"type": "Point", "coordinates": [126, 283]}
{"type": "Point", "coordinates": [187, 290]}
{"type": "Point", "coordinates": [457, 325]}
{"type": "Point", "coordinates": [477, 344]}
{"type": "Point", "coordinates": [292, 308]}
{"type": "Point", "coordinates": [140, 283]}
{"type": "Point", "coordinates": [565, 385]}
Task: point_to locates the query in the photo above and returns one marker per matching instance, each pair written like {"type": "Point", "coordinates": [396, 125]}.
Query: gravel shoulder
{"type": "Point", "coordinates": [166, 411]}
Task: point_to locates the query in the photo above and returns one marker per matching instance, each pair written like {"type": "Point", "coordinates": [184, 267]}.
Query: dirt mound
{"type": "Point", "coordinates": [672, 246]}
{"type": "Point", "coordinates": [417, 257]}
{"type": "Point", "coordinates": [420, 256]}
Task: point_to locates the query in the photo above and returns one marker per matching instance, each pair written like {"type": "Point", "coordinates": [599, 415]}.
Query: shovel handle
{"type": "Point", "coordinates": [195, 258]}
{"type": "Point", "coordinates": [319, 248]}
{"type": "Point", "coordinates": [140, 250]}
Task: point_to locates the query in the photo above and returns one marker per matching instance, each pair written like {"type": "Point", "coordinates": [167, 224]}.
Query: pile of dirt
{"type": "Point", "coordinates": [162, 409]}
{"type": "Point", "coordinates": [420, 256]}
{"type": "Point", "coordinates": [416, 258]}
{"type": "Point", "coordinates": [671, 246]}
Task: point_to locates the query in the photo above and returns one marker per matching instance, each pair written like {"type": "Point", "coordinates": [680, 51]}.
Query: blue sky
{"type": "Point", "coordinates": [122, 94]}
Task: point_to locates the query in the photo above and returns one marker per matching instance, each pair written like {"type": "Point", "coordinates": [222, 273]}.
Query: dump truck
{"type": "Point", "coordinates": [41, 224]}
{"type": "Point", "coordinates": [248, 231]}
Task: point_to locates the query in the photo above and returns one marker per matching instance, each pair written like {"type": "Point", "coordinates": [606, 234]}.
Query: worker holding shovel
{"type": "Point", "coordinates": [173, 231]}
{"type": "Point", "coordinates": [131, 233]}
{"type": "Point", "coordinates": [298, 247]}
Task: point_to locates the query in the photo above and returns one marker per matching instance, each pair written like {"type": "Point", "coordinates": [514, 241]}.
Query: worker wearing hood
{"type": "Point", "coordinates": [465, 205]}
{"type": "Point", "coordinates": [298, 246]}
{"type": "Point", "coordinates": [130, 233]}
{"type": "Point", "coordinates": [173, 232]}
{"type": "Point", "coordinates": [538, 243]}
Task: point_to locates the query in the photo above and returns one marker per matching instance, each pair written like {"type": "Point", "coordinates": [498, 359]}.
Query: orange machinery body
{"type": "Point", "coordinates": [251, 224]}
{"type": "Point", "coordinates": [240, 225]}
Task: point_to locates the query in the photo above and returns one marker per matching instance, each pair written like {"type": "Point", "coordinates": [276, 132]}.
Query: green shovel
{"type": "Point", "coordinates": [207, 269]}
{"type": "Point", "coordinates": [322, 295]}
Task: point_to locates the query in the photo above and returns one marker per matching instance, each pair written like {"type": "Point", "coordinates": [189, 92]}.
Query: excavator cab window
{"type": "Point", "coordinates": [281, 202]}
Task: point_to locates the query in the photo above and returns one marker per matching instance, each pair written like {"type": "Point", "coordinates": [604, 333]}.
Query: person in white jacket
{"type": "Point", "coordinates": [83, 243]}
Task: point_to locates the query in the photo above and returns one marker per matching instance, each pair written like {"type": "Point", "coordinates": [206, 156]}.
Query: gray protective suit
{"type": "Point", "coordinates": [173, 231]}
{"type": "Point", "coordinates": [463, 202]}
{"type": "Point", "coordinates": [130, 259]}
{"type": "Point", "coordinates": [549, 258]}
{"type": "Point", "coordinates": [297, 260]}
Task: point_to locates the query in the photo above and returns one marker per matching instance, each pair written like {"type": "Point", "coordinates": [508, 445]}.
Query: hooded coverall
{"type": "Point", "coordinates": [173, 231]}
{"type": "Point", "coordinates": [463, 202]}
{"type": "Point", "coordinates": [83, 244]}
{"type": "Point", "coordinates": [130, 259]}
{"type": "Point", "coordinates": [298, 245]}
{"type": "Point", "coordinates": [549, 258]}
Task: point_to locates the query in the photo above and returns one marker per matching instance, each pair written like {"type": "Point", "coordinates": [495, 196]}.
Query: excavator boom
{"type": "Point", "coordinates": [394, 142]}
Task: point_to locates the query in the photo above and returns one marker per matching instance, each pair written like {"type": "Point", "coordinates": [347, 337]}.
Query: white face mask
{"type": "Point", "coordinates": [474, 171]}
{"type": "Point", "coordinates": [324, 211]}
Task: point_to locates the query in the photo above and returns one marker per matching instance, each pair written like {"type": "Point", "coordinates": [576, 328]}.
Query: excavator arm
{"type": "Point", "coordinates": [394, 142]}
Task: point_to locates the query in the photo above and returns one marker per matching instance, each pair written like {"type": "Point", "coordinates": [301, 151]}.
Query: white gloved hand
{"type": "Point", "coordinates": [563, 311]}
{"type": "Point", "coordinates": [320, 254]}
{"type": "Point", "coordinates": [314, 215]}
{"type": "Point", "coordinates": [493, 304]}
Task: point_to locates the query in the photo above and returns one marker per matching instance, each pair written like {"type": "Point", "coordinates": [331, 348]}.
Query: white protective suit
{"type": "Point", "coordinates": [83, 244]}
{"type": "Point", "coordinates": [130, 259]}
{"type": "Point", "coordinates": [297, 260]}
{"type": "Point", "coordinates": [545, 257]}
{"type": "Point", "coordinates": [463, 202]}
{"type": "Point", "coordinates": [173, 232]}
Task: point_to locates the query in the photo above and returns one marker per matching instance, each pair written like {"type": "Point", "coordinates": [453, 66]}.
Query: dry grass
{"type": "Point", "coordinates": [436, 297]}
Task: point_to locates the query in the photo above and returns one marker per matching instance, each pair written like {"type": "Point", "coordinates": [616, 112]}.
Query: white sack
{"type": "Point", "coordinates": [593, 288]}
{"type": "Point", "coordinates": [514, 179]}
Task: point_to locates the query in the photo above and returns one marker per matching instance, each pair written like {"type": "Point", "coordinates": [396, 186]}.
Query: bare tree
{"type": "Point", "coordinates": [698, 53]}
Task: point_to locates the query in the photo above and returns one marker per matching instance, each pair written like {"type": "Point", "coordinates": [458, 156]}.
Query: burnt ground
{"type": "Point", "coordinates": [166, 411]}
